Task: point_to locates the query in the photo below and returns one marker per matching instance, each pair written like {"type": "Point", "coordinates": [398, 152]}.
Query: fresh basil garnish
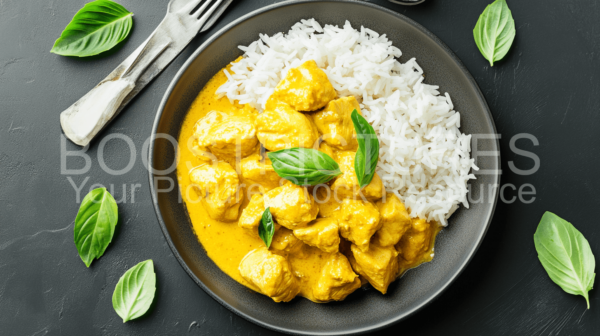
{"type": "Point", "coordinates": [266, 228]}
{"type": "Point", "coordinates": [367, 155]}
{"type": "Point", "coordinates": [495, 31]}
{"type": "Point", "coordinates": [566, 255]}
{"type": "Point", "coordinates": [135, 291]}
{"type": "Point", "coordinates": [97, 27]}
{"type": "Point", "coordinates": [95, 224]}
{"type": "Point", "coordinates": [304, 166]}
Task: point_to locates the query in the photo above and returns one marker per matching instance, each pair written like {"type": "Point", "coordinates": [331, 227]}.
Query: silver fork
{"type": "Point", "coordinates": [83, 120]}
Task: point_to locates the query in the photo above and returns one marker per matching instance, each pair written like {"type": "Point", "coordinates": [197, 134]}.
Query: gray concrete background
{"type": "Point", "coordinates": [547, 86]}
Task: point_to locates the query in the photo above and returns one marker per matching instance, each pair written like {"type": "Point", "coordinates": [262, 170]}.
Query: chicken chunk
{"type": "Point", "coordinates": [270, 274]}
{"type": "Point", "coordinates": [305, 88]}
{"type": "Point", "coordinates": [252, 214]}
{"type": "Point", "coordinates": [328, 205]}
{"type": "Point", "coordinates": [346, 185]}
{"type": "Point", "coordinates": [218, 185]}
{"type": "Point", "coordinates": [379, 265]}
{"type": "Point", "coordinates": [260, 173]}
{"type": "Point", "coordinates": [337, 280]}
{"type": "Point", "coordinates": [283, 127]}
{"type": "Point", "coordinates": [323, 234]}
{"type": "Point", "coordinates": [395, 221]}
{"type": "Point", "coordinates": [359, 220]}
{"type": "Point", "coordinates": [285, 242]}
{"type": "Point", "coordinates": [335, 123]}
{"type": "Point", "coordinates": [224, 136]}
{"type": "Point", "coordinates": [416, 240]}
{"type": "Point", "coordinates": [291, 206]}
{"type": "Point", "coordinates": [325, 148]}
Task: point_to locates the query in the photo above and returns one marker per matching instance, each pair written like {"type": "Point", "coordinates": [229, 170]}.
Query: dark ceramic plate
{"type": "Point", "coordinates": [364, 310]}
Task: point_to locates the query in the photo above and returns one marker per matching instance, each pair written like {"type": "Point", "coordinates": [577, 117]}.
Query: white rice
{"type": "Point", "coordinates": [424, 158]}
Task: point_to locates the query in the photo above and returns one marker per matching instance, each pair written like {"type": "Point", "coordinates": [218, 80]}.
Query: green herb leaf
{"type": "Point", "coordinates": [367, 155]}
{"type": "Point", "coordinates": [266, 228]}
{"type": "Point", "coordinates": [304, 166]}
{"type": "Point", "coordinates": [135, 290]}
{"type": "Point", "coordinates": [95, 224]}
{"type": "Point", "coordinates": [495, 31]}
{"type": "Point", "coordinates": [97, 27]}
{"type": "Point", "coordinates": [566, 255]}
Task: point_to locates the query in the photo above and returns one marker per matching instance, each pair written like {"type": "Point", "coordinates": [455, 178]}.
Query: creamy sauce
{"type": "Point", "coordinates": [226, 243]}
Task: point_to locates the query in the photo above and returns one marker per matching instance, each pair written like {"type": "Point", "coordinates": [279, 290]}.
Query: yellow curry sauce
{"type": "Point", "coordinates": [227, 244]}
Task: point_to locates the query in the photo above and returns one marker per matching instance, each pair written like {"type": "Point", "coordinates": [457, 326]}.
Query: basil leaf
{"type": "Point", "coordinates": [304, 166]}
{"type": "Point", "coordinates": [135, 291]}
{"type": "Point", "coordinates": [367, 155]}
{"type": "Point", "coordinates": [566, 255]}
{"type": "Point", "coordinates": [95, 224]}
{"type": "Point", "coordinates": [266, 228]}
{"type": "Point", "coordinates": [97, 27]}
{"type": "Point", "coordinates": [495, 31]}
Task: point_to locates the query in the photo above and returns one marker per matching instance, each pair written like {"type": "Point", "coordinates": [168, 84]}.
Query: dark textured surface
{"type": "Point", "coordinates": [547, 86]}
{"type": "Point", "coordinates": [365, 310]}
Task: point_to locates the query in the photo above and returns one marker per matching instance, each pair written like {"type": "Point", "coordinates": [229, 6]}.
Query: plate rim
{"type": "Point", "coordinates": [277, 328]}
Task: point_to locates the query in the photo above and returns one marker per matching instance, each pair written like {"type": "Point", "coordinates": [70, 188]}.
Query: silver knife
{"type": "Point", "coordinates": [83, 120]}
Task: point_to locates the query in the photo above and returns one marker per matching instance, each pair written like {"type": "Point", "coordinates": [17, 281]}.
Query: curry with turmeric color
{"type": "Point", "coordinates": [330, 239]}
